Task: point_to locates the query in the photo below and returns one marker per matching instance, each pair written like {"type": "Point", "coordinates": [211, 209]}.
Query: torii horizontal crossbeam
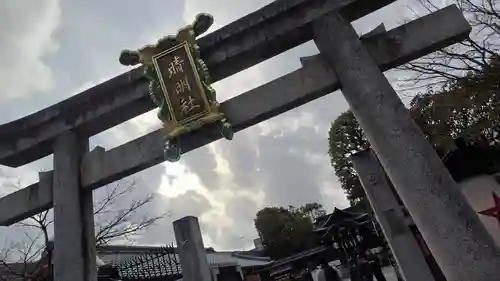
{"type": "Point", "coordinates": [312, 81]}
{"type": "Point", "coordinates": [263, 34]}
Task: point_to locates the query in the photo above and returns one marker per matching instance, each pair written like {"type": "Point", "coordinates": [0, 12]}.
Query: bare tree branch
{"type": "Point", "coordinates": [471, 56]}
{"type": "Point", "coordinates": [115, 216]}
{"type": "Point", "coordinates": [122, 222]}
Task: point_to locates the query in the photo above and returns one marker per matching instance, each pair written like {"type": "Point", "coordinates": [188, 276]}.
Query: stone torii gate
{"type": "Point", "coordinates": [345, 61]}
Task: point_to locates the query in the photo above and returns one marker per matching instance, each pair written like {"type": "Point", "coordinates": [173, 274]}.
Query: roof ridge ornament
{"type": "Point", "coordinates": [180, 84]}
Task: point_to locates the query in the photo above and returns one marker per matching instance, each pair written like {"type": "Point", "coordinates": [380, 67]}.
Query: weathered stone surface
{"type": "Point", "coordinates": [192, 253]}
{"type": "Point", "coordinates": [457, 239]}
{"type": "Point", "coordinates": [314, 80]}
{"type": "Point", "coordinates": [390, 216]}
{"type": "Point", "coordinates": [69, 257]}
{"type": "Point", "coordinates": [267, 32]}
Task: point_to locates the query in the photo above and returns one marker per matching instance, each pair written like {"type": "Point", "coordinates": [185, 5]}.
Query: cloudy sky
{"type": "Point", "coordinates": [52, 49]}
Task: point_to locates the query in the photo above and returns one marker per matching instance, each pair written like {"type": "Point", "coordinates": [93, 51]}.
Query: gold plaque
{"type": "Point", "coordinates": [181, 85]}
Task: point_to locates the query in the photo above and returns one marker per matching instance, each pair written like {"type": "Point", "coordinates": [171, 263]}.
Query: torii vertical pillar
{"type": "Point", "coordinates": [191, 250]}
{"type": "Point", "coordinates": [74, 237]}
{"type": "Point", "coordinates": [389, 214]}
{"type": "Point", "coordinates": [454, 234]}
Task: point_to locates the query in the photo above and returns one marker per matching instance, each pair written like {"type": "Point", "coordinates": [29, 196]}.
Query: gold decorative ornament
{"type": "Point", "coordinates": [180, 84]}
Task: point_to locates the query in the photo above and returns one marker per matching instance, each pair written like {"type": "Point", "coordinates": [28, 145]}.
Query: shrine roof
{"type": "Point", "coordinates": [299, 257]}
{"type": "Point", "coordinates": [338, 217]}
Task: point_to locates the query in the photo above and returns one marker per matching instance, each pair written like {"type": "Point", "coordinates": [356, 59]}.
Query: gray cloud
{"type": "Point", "coordinates": [205, 169]}
{"type": "Point", "coordinates": [93, 34]}
{"type": "Point", "coordinates": [283, 159]}
{"type": "Point", "coordinates": [239, 234]}
{"type": "Point", "coordinates": [277, 161]}
{"type": "Point", "coordinates": [27, 38]}
{"type": "Point", "coordinates": [189, 204]}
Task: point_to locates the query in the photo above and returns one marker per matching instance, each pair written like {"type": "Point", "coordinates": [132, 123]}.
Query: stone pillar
{"type": "Point", "coordinates": [74, 238]}
{"type": "Point", "coordinates": [191, 250]}
{"type": "Point", "coordinates": [89, 243]}
{"type": "Point", "coordinates": [389, 214]}
{"type": "Point", "coordinates": [456, 238]}
{"type": "Point", "coordinates": [87, 217]}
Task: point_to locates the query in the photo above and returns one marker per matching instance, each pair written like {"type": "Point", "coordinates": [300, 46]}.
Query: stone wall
{"type": "Point", "coordinates": [479, 193]}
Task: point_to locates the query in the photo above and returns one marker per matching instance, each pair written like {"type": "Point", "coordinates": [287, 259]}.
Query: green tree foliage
{"type": "Point", "coordinates": [287, 231]}
{"type": "Point", "coordinates": [468, 107]}
{"type": "Point", "coordinates": [310, 210]}
{"type": "Point", "coordinates": [346, 138]}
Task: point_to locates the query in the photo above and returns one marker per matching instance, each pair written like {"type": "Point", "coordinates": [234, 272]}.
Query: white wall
{"type": "Point", "coordinates": [479, 193]}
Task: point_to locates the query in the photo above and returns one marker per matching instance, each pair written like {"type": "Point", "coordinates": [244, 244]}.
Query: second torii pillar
{"type": "Point", "coordinates": [454, 234]}
{"type": "Point", "coordinates": [389, 214]}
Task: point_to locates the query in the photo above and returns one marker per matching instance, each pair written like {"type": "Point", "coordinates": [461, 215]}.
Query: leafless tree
{"type": "Point", "coordinates": [116, 222]}
{"type": "Point", "coordinates": [471, 55]}
{"type": "Point", "coordinates": [27, 250]}
{"type": "Point", "coordinates": [115, 218]}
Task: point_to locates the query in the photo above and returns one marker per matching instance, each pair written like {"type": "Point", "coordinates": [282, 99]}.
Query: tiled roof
{"type": "Point", "coordinates": [146, 260]}
{"type": "Point", "coordinates": [318, 251]}
{"type": "Point", "coordinates": [113, 254]}
{"type": "Point", "coordinates": [221, 259]}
